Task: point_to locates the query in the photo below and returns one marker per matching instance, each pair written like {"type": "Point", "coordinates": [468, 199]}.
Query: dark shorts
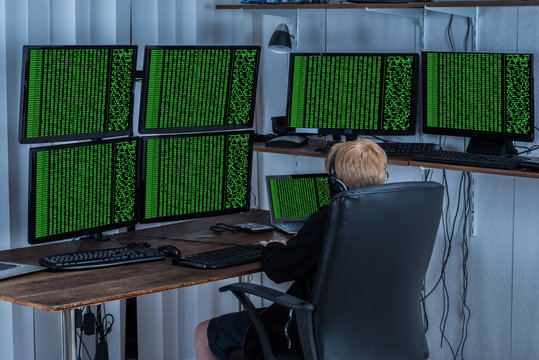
{"type": "Point", "coordinates": [226, 332]}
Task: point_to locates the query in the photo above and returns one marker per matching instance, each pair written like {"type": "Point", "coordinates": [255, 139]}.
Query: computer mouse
{"type": "Point", "coordinates": [170, 250]}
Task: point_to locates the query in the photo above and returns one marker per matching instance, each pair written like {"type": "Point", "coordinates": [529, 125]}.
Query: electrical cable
{"type": "Point", "coordinates": [448, 241]}
{"type": "Point", "coordinates": [466, 37]}
{"type": "Point", "coordinates": [83, 344]}
{"type": "Point", "coordinates": [465, 253]}
{"type": "Point", "coordinates": [222, 227]}
{"type": "Point", "coordinates": [528, 149]}
{"type": "Point", "coordinates": [255, 200]}
{"type": "Point", "coordinates": [449, 35]}
{"type": "Point", "coordinates": [448, 228]}
{"type": "Point", "coordinates": [103, 326]}
{"type": "Point", "coordinates": [382, 140]}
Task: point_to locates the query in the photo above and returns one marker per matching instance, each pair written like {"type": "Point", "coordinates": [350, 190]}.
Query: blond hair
{"type": "Point", "coordinates": [359, 163]}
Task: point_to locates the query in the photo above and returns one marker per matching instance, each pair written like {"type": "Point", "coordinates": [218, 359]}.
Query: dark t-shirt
{"type": "Point", "coordinates": [296, 261]}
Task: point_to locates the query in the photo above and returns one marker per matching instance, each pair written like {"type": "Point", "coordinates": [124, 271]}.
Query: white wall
{"type": "Point", "coordinates": [503, 286]}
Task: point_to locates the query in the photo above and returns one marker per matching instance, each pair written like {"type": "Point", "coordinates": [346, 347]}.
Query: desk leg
{"type": "Point", "coordinates": [69, 346]}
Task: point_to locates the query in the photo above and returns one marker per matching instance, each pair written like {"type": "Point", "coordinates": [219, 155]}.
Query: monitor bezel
{"type": "Point", "coordinates": [23, 111]}
{"type": "Point", "coordinates": [355, 132]}
{"type": "Point", "coordinates": [142, 179]}
{"type": "Point", "coordinates": [192, 129]}
{"type": "Point", "coordinates": [32, 239]}
{"type": "Point", "coordinates": [476, 134]}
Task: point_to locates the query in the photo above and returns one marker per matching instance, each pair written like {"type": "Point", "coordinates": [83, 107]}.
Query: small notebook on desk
{"type": "Point", "coordinates": [10, 269]}
{"type": "Point", "coordinates": [293, 198]}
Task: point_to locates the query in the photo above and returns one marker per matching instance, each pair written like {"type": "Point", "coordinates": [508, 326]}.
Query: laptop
{"type": "Point", "coordinates": [10, 269]}
{"type": "Point", "coordinates": [293, 198]}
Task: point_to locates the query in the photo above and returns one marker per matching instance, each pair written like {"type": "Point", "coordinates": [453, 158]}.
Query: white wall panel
{"type": "Point", "coordinates": [310, 30]}
{"type": "Point", "coordinates": [525, 322]}
{"type": "Point", "coordinates": [497, 29]}
{"type": "Point", "coordinates": [186, 14]}
{"type": "Point", "coordinates": [166, 22]}
{"type": "Point", "coordinates": [4, 159]}
{"type": "Point", "coordinates": [7, 341]}
{"type": "Point", "coordinates": [23, 332]}
{"type": "Point", "coordinates": [83, 22]}
{"type": "Point", "coordinates": [39, 22]}
{"type": "Point", "coordinates": [150, 327]}
{"type": "Point", "coordinates": [144, 25]}
{"type": "Point", "coordinates": [17, 34]}
{"type": "Point", "coordinates": [102, 22]}
{"type": "Point", "coordinates": [48, 335]}
{"type": "Point", "coordinates": [62, 20]}
{"type": "Point", "coordinates": [364, 31]}
{"type": "Point", "coordinates": [171, 324]}
{"type": "Point", "coordinates": [123, 22]}
{"type": "Point", "coordinates": [491, 269]}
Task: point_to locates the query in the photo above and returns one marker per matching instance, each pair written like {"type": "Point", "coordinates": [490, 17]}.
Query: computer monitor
{"type": "Point", "coordinates": [81, 189]}
{"type": "Point", "coordinates": [297, 196]}
{"type": "Point", "coordinates": [76, 92]}
{"type": "Point", "coordinates": [195, 175]}
{"type": "Point", "coordinates": [487, 97]}
{"type": "Point", "coordinates": [196, 88]}
{"type": "Point", "coordinates": [352, 94]}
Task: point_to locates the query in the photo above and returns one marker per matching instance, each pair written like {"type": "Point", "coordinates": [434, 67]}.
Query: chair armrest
{"type": "Point", "coordinates": [303, 309]}
{"type": "Point", "coordinates": [276, 296]}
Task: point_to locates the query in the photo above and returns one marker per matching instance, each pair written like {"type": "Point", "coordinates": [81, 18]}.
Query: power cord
{"type": "Point", "coordinates": [465, 252]}
{"type": "Point", "coordinates": [527, 150]}
{"type": "Point", "coordinates": [103, 326]}
{"type": "Point", "coordinates": [85, 322]}
{"type": "Point", "coordinates": [449, 224]}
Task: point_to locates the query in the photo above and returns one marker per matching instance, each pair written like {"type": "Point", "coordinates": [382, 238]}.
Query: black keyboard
{"type": "Point", "coordinates": [406, 149]}
{"type": "Point", "coordinates": [395, 148]}
{"type": "Point", "coordinates": [102, 257]}
{"type": "Point", "coordinates": [469, 159]}
{"type": "Point", "coordinates": [216, 259]}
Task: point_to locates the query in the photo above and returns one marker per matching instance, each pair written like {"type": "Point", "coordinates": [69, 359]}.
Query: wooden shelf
{"type": "Point", "coordinates": [312, 149]}
{"type": "Point", "coordinates": [395, 5]}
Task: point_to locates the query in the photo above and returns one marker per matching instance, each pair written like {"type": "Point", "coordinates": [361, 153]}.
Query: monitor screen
{"type": "Point", "coordinates": [478, 95]}
{"type": "Point", "coordinates": [80, 189]}
{"type": "Point", "coordinates": [353, 93]}
{"type": "Point", "coordinates": [194, 88]}
{"type": "Point", "coordinates": [188, 176]}
{"type": "Point", "coordinates": [297, 196]}
{"type": "Point", "coordinates": [76, 92]}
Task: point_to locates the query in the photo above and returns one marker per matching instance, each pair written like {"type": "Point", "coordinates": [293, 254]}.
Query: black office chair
{"type": "Point", "coordinates": [365, 302]}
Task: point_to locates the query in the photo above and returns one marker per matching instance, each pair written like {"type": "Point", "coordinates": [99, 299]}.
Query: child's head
{"type": "Point", "coordinates": [359, 163]}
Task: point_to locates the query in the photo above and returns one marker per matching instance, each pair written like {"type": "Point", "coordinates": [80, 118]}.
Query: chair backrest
{"type": "Point", "coordinates": [377, 248]}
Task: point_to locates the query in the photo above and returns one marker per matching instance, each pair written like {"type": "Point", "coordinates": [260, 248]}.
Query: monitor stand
{"type": "Point", "coordinates": [96, 237]}
{"type": "Point", "coordinates": [490, 146]}
{"type": "Point", "coordinates": [350, 136]}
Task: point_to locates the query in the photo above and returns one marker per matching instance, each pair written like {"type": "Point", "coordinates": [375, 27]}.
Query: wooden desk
{"type": "Point", "coordinates": [312, 149]}
{"type": "Point", "coordinates": [61, 290]}
{"type": "Point", "coordinates": [66, 290]}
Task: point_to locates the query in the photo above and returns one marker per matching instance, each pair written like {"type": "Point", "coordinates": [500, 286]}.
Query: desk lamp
{"type": "Point", "coordinates": [280, 41]}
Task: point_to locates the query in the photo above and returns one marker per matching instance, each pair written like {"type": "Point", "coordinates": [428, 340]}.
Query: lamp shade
{"type": "Point", "coordinates": [280, 41]}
